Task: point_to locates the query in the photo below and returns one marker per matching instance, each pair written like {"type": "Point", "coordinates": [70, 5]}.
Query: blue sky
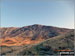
{"type": "Point", "coordinates": [19, 13]}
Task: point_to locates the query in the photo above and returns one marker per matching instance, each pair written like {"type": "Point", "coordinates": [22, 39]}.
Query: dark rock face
{"type": "Point", "coordinates": [33, 31]}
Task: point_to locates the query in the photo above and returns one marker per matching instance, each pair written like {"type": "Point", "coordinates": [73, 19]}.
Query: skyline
{"type": "Point", "coordinates": [21, 13]}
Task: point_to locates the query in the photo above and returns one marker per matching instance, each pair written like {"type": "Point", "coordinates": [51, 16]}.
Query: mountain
{"type": "Point", "coordinates": [47, 47]}
{"type": "Point", "coordinates": [32, 34]}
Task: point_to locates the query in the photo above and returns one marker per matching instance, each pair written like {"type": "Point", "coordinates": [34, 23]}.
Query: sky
{"type": "Point", "coordinates": [19, 13]}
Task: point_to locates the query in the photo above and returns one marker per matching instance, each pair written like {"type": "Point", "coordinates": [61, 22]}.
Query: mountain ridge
{"type": "Point", "coordinates": [36, 24]}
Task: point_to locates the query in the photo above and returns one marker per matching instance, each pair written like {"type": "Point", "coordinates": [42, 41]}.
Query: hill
{"type": "Point", "coordinates": [17, 36]}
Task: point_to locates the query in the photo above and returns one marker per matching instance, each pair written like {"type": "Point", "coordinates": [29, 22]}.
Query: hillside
{"type": "Point", "coordinates": [47, 47]}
